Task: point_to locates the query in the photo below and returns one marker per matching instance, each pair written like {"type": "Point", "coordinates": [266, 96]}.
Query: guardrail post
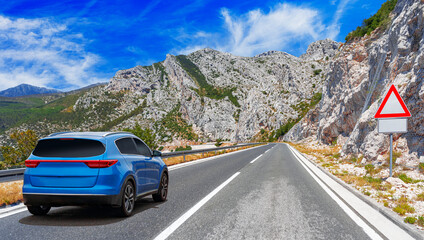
{"type": "Point", "coordinates": [184, 158]}
{"type": "Point", "coordinates": [215, 152]}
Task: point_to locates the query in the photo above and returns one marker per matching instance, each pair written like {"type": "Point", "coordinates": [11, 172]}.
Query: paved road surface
{"type": "Point", "coordinates": [272, 198]}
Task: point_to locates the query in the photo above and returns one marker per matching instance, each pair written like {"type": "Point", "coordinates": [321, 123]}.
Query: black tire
{"type": "Point", "coordinates": [38, 210]}
{"type": "Point", "coordinates": [162, 193]}
{"type": "Point", "coordinates": [127, 200]}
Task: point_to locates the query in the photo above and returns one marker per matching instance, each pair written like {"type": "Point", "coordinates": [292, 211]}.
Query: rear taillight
{"type": "Point", "coordinates": [32, 163]}
{"type": "Point", "coordinates": [89, 163]}
{"type": "Point", "coordinates": [100, 163]}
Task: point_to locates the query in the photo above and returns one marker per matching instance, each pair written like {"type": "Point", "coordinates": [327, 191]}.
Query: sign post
{"type": "Point", "coordinates": [392, 117]}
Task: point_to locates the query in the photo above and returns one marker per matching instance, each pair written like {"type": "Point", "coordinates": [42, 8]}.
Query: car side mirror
{"type": "Point", "coordinates": [156, 153]}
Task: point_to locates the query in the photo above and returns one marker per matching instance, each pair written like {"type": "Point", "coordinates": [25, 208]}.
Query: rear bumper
{"type": "Point", "coordinates": [57, 200]}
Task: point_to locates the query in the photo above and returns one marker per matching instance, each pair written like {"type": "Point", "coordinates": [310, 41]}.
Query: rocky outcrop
{"type": "Point", "coordinates": [321, 49]}
{"type": "Point", "coordinates": [363, 70]}
{"type": "Point", "coordinates": [218, 94]}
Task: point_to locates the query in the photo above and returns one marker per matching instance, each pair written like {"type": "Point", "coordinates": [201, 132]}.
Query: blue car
{"type": "Point", "coordinates": [93, 168]}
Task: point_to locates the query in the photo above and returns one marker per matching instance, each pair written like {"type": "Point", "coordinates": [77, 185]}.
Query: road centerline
{"type": "Point", "coordinates": [174, 226]}
{"type": "Point", "coordinates": [256, 158]}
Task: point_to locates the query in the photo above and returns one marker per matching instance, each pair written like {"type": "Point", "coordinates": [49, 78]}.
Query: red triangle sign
{"type": "Point", "coordinates": [392, 106]}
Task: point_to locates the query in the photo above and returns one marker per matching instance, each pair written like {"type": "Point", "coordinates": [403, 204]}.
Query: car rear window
{"type": "Point", "coordinates": [68, 148]}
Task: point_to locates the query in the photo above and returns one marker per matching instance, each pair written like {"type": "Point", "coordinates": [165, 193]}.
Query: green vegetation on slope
{"type": "Point", "coordinates": [302, 108]}
{"type": "Point", "coordinates": [174, 123]}
{"type": "Point", "coordinates": [145, 134]}
{"type": "Point", "coordinates": [25, 142]}
{"type": "Point", "coordinates": [15, 111]}
{"type": "Point", "coordinates": [108, 125]}
{"type": "Point", "coordinates": [205, 89]}
{"type": "Point", "coordinates": [380, 19]}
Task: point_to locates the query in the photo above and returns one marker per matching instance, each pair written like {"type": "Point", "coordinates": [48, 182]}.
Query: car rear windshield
{"type": "Point", "coordinates": [68, 148]}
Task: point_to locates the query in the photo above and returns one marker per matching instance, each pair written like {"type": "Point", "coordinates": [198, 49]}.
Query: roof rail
{"type": "Point", "coordinates": [57, 133]}
{"type": "Point", "coordinates": [111, 133]}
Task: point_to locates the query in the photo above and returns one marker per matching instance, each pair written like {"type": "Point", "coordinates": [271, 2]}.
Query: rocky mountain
{"type": "Point", "coordinates": [360, 75]}
{"type": "Point", "coordinates": [205, 95]}
{"type": "Point", "coordinates": [24, 90]}
{"type": "Point", "coordinates": [216, 95]}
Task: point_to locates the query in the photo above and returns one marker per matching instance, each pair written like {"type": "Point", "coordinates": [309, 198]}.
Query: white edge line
{"type": "Point", "coordinates": [22, 209]}
{"type": "Point", "coordinates": [367, 229]}
{"type": "Point", "coordinates": [186, 164]}
{"type": "Point", "coordinates": [256, 158]}
{"type": "Point", "coordinates": [11, 208]}
{"type": "Point", "coordinates": [174, 226]}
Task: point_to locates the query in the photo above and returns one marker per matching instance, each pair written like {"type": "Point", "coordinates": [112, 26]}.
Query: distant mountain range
{"type": "Point", "coordinates": [25, 90]}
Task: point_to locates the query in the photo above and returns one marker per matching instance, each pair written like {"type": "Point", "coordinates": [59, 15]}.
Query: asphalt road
{"type": "Point", "coordinates": [12, 178]}
{"type": "Point", "coordinates": [272, 198]}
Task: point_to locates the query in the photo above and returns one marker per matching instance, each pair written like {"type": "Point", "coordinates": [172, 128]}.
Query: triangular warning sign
{"type": "Point", "coordinates": [392, 106]}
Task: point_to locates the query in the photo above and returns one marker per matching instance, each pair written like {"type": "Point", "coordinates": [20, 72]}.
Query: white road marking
{"type": "Point", "coordinates": [21, 207]}
{"type": "Point", "coordinates": [256, 158]}
{"type": "Point", "coordinates": [384, 225]}
{"type": "Point", "coordinates": [186, 164]}
{"type": "Point", "coordinates": [175, 225]}
{"type": "Point", "coordinates": [5, 212]}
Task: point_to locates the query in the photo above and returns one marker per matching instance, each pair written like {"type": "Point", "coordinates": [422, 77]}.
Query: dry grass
{"type": "Point", "coordinates": [180, 159]}
{"type": "Point", "coordinates": [10, 192]}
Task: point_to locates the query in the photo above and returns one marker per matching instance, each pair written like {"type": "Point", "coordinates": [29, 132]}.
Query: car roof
{"type": "Point", "coordinates": [92, 135]}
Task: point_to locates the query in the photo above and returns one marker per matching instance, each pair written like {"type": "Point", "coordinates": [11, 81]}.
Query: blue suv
{"type": "Point", "coordinates": [93, 168]}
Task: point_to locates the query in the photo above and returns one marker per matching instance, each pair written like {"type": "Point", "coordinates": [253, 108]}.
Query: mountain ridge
{"type": "Point", "coordinates": [205, 95]}
{"type": "Point", "coordinates": [26, 90]}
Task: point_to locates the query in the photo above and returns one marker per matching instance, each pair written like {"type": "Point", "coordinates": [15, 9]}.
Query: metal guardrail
{"type": "Point", "coordinates": [12, 172]}
{"type": "Point", "coordinates": [189, 152]}
{"type": "Point", "coordinates": [20, 171]}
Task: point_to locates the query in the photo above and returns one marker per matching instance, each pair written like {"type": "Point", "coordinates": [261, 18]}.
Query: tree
{"type": "Point", "coordinates": [16, 154]}
{"type": "Point", "coordinates": [145, 134]}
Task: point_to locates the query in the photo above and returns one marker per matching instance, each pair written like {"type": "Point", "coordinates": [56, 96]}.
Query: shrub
{"type": "Point", "coordinates": [420, 197]}
{"type": "Point", "coordinates": [420, 221]}
{"type": "Point", "coordinates": [404, 208]}
{"type": "Point", "coordinates": [186, 148]}
{"type": "Point", "coordinates": [218, 142]}
{"type": "Point", "coordinates": [407, 179]}
{"type": "Point", "coordinates": [410, 220]}
{"type": "Point", "coordinates": [370, 169]}
{"type": "Point", "coordinates": [317, 71]}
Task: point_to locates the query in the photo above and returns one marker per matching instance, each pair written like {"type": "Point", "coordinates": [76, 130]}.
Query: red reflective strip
{"type": "Point", "coordinates": [90, 163]}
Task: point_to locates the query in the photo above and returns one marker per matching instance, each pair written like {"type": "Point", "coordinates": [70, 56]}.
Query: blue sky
{"type": "Point", "coordinates": [71, 44]}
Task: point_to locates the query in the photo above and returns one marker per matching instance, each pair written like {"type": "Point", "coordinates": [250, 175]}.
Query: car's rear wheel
{"type": "Point", "coordinates": [39, 210]}
{"type": "Point", "coordinates": [128, 200]}
{"type": "Point", "coordinates": [162, 193]}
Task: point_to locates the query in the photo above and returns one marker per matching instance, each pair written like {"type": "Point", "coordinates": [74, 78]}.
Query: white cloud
{"type": "Point", "coordinates": [256, 32]}
{"type": "Point", "coordinates": [334, 29]}
{"type": "Point", "coordinates": [43, 53]}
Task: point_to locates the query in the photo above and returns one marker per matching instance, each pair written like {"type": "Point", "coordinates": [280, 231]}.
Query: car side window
{"type": "Point", "coordinates": [126, 146]}
{"type": "Point", "coordinates": [142, 148]}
